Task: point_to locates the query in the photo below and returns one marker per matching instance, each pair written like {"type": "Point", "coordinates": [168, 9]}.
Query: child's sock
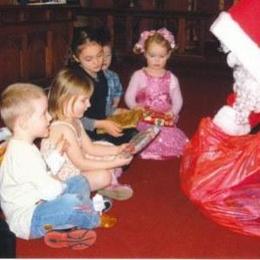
{"type": "Point", "coordinates": [101, 203]}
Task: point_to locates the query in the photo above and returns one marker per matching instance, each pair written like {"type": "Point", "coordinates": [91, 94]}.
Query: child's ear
{"type": "Point", "coordinates": [22, 122]}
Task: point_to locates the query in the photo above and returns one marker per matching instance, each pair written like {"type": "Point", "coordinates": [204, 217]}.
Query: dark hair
{"type": "Point", "coordinates": [104, 35]}
{"type": "Point", "coordinates": [81, 35]}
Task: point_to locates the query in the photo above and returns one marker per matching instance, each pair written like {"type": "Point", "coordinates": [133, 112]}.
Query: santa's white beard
{"type": "Point", "coordinates": [234, 120]}
{"type": "Point", "coordinates": [247, 90]}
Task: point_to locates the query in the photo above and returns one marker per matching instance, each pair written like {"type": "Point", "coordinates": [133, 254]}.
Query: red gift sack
{"type": "Point", "coordinates": [221, 175]}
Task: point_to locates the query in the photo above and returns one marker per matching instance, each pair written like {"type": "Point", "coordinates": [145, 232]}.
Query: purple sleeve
{"type": "Point", "coordinates": [176, 96]}
{"type": "Point", "coordinates": [132, 89]}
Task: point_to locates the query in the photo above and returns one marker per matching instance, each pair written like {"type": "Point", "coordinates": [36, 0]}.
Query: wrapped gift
{"type": "Point", "coordinates": [157, 118]}
{"type": "Point", "coordinates": [139, 141]}
{"type": "Point", "coordinates": [127, 119]}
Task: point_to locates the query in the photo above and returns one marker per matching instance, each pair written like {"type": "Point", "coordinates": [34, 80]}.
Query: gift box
{"type": "Point", "coordinates": [139, 141]}
{"type": "Point", "coordinates": [157, 118]}
{"type": "Point", "coordinates": [143, 138]}
{"type": "Point", "coordinates": [127, 119]}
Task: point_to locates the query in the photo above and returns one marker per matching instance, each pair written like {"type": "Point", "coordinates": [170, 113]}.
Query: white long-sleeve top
{"type": "Point", "coordinates": [24, 181]}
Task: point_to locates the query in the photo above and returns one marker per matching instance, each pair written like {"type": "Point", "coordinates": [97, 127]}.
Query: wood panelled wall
{"type": "Point", "coordinates": [170, 5]}
{"type": "Point", "coordinates": [191, 29]}
{"type": "Point", "coordinates": [33, 42]}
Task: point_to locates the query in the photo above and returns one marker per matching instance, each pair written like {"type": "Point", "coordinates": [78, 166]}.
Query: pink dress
{"type": "Point", "coordinates": [161, 94]}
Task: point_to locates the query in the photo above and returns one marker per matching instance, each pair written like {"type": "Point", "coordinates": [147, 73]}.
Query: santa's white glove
{"type": "Point", "coordinates": [226, 120]}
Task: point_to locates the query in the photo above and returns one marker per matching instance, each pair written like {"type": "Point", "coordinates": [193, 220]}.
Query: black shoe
{"type": "Point", "coordinates": [7, 241]}
{"type": "Point", "coordinates": [108, 204]}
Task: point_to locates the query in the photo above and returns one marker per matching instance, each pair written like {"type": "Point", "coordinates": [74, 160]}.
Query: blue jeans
{"type": "Point", "coordinates": [73, 208]}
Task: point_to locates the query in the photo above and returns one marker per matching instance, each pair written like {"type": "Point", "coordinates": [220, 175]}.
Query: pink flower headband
{"type": "Point", "coordinates": [167, 35]}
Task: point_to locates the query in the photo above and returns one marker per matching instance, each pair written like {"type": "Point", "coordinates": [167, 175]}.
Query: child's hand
{"type": "Point", "coordinates": [125, 148]}
{"type": "Point", "coordinates": [55, 158]}
{"type": "Point", "coordinates": [112, 128]}
{"type": "Point", "coordinates": [139, 108]}
{"type": "Point", "coordinates": [175, 118]}
{"type": "Point", "coordinates": [61, 145]}
{"type": "Point", "coordinates": [123, 159]}
{"type": "Point", "coordinates": [116, 101]}
{"type": "Point", "coordinates": [120, 111]}
{"type": "Point", "coordinates": [169, 113]}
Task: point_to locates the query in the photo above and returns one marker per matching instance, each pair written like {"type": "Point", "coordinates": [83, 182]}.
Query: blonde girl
{"type": "Point", "coordinates": [69, 97]}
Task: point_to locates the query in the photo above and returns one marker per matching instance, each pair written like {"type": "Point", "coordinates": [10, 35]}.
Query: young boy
{"type": "Point", "coordinates": [34, 202]}
{"type": "Point", "coordinates": [115, 89]}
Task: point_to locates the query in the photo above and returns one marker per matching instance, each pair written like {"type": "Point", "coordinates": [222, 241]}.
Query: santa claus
{"type": "Point", "coordinates": [220, 168]}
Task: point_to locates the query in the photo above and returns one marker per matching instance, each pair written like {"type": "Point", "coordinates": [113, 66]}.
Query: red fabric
{"type": "Point", "coordinates": [254, 118]}
{"type": "Point", "coordinates": [221, 175]}
{"type": "Point", "coordinates": [246, 13]}
{"type": "Point", "coordinates": [231, 99]}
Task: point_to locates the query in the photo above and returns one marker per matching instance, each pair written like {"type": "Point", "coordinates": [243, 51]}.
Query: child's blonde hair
{"type": "Point", "coordinates": [16, 101]}
{"type": "Point", "coordinates": [66, 87]}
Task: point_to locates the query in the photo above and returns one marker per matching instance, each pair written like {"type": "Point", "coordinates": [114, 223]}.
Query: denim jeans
{"type": "Point", "coordinates": [73, 208]}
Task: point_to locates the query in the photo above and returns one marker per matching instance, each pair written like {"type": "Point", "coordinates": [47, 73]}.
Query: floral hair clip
{"type": "Point", "coordinates": [167, 35]}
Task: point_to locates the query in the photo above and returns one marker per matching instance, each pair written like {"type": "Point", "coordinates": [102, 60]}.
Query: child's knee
{"type": "Point", "coordinates": [103, 178]}
{"type": "Point", "coordinates": [99, 179]}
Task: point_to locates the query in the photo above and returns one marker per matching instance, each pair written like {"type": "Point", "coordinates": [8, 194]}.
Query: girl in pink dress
{"type": "Point", "coordinates": [155, 88]}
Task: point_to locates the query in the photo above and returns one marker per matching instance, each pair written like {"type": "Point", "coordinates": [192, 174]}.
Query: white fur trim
{"type": "Point", "coordinates": [226, 120]}
{"type": "Point", "coordinates": [228, 31]}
